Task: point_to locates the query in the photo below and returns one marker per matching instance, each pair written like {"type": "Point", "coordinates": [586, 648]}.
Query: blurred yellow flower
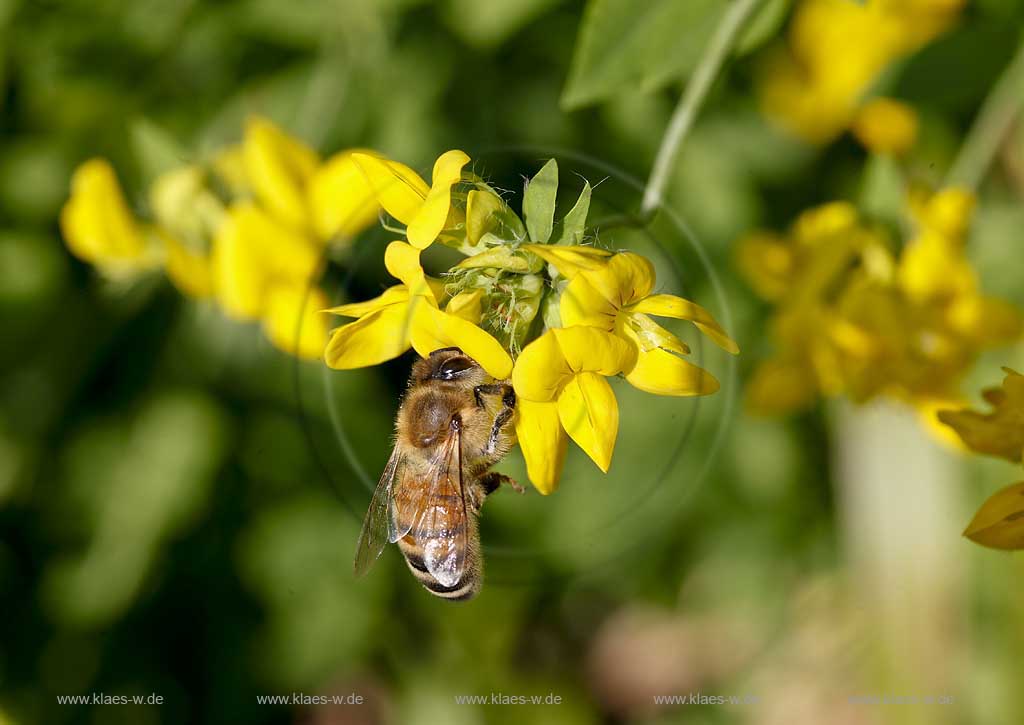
{"type": "Point", "coordinates": [340, 200]}
{"type": "Point", "coordinates": [278, 168]}
{"type": "Point", "coordinates": [408, 315]}
{"type": "Point", "coordinates": [566, 368]}
{"type": "Point", "coordinates": [886, 126]}
{"type": "Point", "coordinates": [854, 319]}
{"type": "Point", "coordinates": [262, 269]}
{"type": "Point", "coordinates": [814, 85]}
{"type": "Point", "coordinates": [405, 196]}
{"type": "Point", "coordinates": [99, 227]}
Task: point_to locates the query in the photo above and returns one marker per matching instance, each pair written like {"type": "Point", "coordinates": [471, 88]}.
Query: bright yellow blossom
{"type": "Point", "coordinates": [568, 366]}
{"type": "Point", "coordinates": [340, 200]}
{"type": "Point", "coordinates": [278, 167]}
{"type": "Point", "coordinates": [99, 227]}
{"type": "Point", "coordinates": [615, 296]}
{"type": "Point", "coordinates": [405, 316]}
{"type": "Point", "coordinates": [257, 262]}
{"type": "Point", "coordinates": [407, 197]}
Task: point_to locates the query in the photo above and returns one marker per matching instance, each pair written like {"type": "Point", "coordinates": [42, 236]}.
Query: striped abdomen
{"type": "Point", "coordinates": [465, 588]}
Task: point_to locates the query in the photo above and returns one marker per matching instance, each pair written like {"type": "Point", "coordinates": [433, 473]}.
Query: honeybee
{"type": "Point", "coordinates": [454, 423]}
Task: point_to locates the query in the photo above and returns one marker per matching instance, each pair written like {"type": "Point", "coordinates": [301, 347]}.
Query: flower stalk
{"type": "Point", "coordinates": [719, 47]}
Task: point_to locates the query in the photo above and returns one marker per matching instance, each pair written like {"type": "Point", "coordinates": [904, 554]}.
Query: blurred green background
{"type": "Point", "coordinates": [179, 502]}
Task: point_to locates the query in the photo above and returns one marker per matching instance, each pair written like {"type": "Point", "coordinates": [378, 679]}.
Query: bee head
{"type": "Point", "coordinates": [449, 364]}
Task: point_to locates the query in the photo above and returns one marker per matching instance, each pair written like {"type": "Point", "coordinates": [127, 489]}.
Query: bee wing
{"type": "Point", "coordinates": [441, 528]}
{"type": "Point", "coordinates": [380, 525]}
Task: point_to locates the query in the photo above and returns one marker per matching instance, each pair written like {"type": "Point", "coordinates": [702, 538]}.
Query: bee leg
{"type": "Point", "coordinates": [499, 422]}
{"type": "Point", "coordinates": [492, 480]}
{"type": "Point", "coordinates": [507, 393]}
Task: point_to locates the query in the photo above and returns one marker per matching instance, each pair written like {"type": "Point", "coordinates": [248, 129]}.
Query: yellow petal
{"type": "Point", "coordinates": [662, 373]}
{"type": "Point", "coordinates": [588, 349]}
{"type": "Point", "coordinates": [379, 336]}
{"type": "Point", "coordinates": [392, 295]}
{"type": "Point", "coordinates": [542, 441]}
{"type": "Point", "coordinates": [340, 199]}
{"type": "Point", "coordinates": [399, 189]}
{"type": "Point", "coordinates": [97, 224]}
{"type": "Point", "coordinates": [466, 305]}
{"type": "Point", "coordinates": [570, 261]}
{"type": "Point", "coordinates": [431, 216]}
{"type": "Point", "coordinates": [541, 369]}
{"type": "Point", "coordinates": [403, 262]}
{"type": "Point", "coordinates": [229, 166]}
{"type": "Point", "coordinates": [189, 271]}
{"type": "Point", "coordinates": [253, 249]}
{"type": "Point", "coordinates": [278, 167]}
{"type": "Point", "coordinates": [999, 523]}
{"type": "Point", "coordinates": [433, 329]}
{"type": "Point", "coordinates": [481, 206]}
{"type": "Point", "coordinates": [886, 126]}
{"type": "Point", "coordinates": [627, 278]}
{"type": "Point", "coordinates": [648, 334]}
{"type": "Point", "coordinates": [291, 321]}
{"type": "Point", "coordinates": [681, 309]}
{"type": "Point", "coordinates": [582, 304]}
{"type": "Point", "coordinates": [590, 415]}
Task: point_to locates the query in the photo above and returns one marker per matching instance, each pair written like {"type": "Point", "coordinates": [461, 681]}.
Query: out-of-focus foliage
{"type": "Point", "coordinates": [179, 501]}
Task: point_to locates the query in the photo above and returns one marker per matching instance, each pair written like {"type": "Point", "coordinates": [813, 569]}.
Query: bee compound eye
{"type": "Point", "coordinates": [454, 366]}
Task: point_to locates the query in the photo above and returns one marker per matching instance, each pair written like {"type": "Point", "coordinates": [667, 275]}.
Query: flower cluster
{"type": "Point", "coordinates": [815, 85]}
{"type": "Point", "coordinates": [855, 317]}
{"type": "Point", "coordinates": [246, 229]}
{"type": "Point", "coordinates": [999, 523]}
{"type": "Point", "coordinates": [530, 302]}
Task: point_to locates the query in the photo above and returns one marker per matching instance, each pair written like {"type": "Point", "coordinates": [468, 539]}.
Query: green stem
{"type": "Point", "coordinates": [721, 43]}
{"type": "Point", "coordinates": [990, 127]}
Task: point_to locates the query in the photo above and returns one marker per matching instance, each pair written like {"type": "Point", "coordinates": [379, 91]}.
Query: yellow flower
{"type": "Point", "coordinates": [98, 226]}
{"type": "Point", "coordinates": [854, 319]}
{"type": "Point", "coordinates": [263, 269]}
{"type": "Point", "coordinates": [326, 200]}
{"type": "Point", "coordinates": [405, 196]}
{"type": "Point", "coordinates": [407, 315]}
{"type": "Point", "coordinates": [189, 271]}
{"type": "Point", "coordinates": [614, 294]}
{"type": "Point", "coordinates": [341, 201]}
{"type": "Point", "coordinates": [563, 372]}
{"type": "Point", "coordinates": [835, 50]}
{"type": "Point", "coordinates": [886, 126]}
{"type": "Point", "coordinates": [278, 167]}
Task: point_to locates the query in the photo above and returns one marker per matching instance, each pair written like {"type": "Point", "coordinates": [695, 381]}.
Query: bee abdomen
{"type": "Point", "coordinates": [466, 588]}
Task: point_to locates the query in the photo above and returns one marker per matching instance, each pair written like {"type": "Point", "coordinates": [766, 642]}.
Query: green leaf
{"type": "Point", "coordinates": [624, 44]}
{"type": "Point", "coordinates": [576, 220]}
{"type": "Point", "coordinates": [763, 26]}
{"type": "Point", "coordinates": [539, 202]}
{"type": "Point", "coordinates": [156, 150]}
{"type": "Point", "coordinates": [488, 24]}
